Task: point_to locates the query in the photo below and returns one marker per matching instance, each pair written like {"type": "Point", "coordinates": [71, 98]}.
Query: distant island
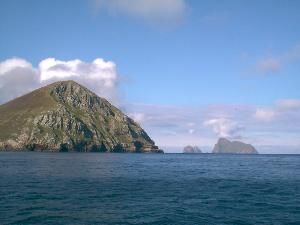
{"type": "Point", "coordinates": [65, 116]}
{"type": "Point", "coordinates": [233, 147]}
{"type": "Point", "coordinates": [191, 149]}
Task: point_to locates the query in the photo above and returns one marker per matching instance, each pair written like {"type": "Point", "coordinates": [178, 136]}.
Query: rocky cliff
{"type": "Point", "coordinates": [65, 116]}
{"type": "Point", "coordinates": [233, 147]}
{"type": "Point", "coordinates": [191, 149]}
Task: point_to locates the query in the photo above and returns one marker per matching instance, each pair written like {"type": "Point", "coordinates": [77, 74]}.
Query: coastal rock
{"type": "Point", "coordinates": [192, 149]}
{"type": "Point", "coordinates": [65, 116]}
{"type": "Point", "coordinates": [233, 147]}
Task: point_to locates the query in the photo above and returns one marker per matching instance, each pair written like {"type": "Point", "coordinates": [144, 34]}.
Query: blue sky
{"type": "Point", "coordinates": [184, 54]}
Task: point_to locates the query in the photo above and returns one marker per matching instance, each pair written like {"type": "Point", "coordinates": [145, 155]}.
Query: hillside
{"type": "Point", "coordinates": [65, 116]}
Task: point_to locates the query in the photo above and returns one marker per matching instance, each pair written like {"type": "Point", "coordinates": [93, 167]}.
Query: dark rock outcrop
{"type": "Point", "coordinates": [65, 116]}
{"type": "Point", "coordinates": [233, 147]}
{"type": "Point", "coordinates": [192, 149]}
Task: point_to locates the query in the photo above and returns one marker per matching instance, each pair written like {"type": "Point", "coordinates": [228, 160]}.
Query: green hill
{"type": "Point", "coordinates": [65, 116]}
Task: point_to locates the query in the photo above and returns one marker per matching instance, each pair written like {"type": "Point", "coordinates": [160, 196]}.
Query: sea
{"type": "Point", "coordinates": [100, 188]}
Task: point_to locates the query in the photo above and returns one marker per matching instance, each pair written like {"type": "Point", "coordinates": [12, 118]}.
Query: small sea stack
{"type": "Point", "coordinates": [192, 149]}
{"type": "Point", "coordinates": [233, 147]}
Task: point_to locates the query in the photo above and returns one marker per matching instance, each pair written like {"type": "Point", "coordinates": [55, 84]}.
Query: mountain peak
{"type": "Point", "coordinates": [65, 82]}
{"type": "Point", "coordinates": [68, 85]}
{"type": "Point", "coordinates": [66, 116]}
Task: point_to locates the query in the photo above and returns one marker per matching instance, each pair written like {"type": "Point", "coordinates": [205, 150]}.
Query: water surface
{"type": "Point", "coordinates": [91, 188]}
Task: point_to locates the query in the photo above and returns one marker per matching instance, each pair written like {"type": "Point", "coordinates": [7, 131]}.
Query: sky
{"type": "Point", "coordinates": [188, 71]}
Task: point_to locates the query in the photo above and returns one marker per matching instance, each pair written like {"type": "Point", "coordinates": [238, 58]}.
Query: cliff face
{"type": "Point", "coordinates": [191, 149]}
{"type": "Point", "coordinates": [65, 116]}
{"type": "Point", "coordinates": [234, 147]}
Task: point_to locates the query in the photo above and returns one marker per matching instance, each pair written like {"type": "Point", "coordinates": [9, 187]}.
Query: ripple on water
{"type": "Point", "coordinates": [43, 188]}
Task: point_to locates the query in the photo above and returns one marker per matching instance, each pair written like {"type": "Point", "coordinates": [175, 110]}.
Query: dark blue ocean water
{"type": "Point", "coordinates": [87, 188]}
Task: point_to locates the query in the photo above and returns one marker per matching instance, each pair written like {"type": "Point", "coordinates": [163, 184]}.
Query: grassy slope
{"type": "Point", "coordinates": [13, 115]}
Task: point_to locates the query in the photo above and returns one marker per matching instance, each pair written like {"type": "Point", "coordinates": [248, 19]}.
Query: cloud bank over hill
{"type": "Point", "coordinates": [223, 127]}
{"type": "Point", "coordinates": [273, 125]}
{"type": "Point", "coordinates": [18, 76]}
{"type": "Point", "coordinates": [267, 125]}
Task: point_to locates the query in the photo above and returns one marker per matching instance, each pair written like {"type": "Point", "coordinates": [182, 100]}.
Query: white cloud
{"type": "Point", "coordinates": [137, 117]}
{"type": "Point", "coordinates": [149, 10]}
{"type": "Point", "coordinates": [274, 63]}
{"type": "Point", "coordinates": [288, 104]}
{"type": "Point", "coordinates": [191, 131]}
{"type": "Point", "coordinates": [17, 76]}
{"type": "Point", "coordinates": [269, 65]}
{"type": "Point", "coordinates": [265, 115]}
{"type": "Point", "coordinates": [224, 127]}
{"type": "Point", "coordinates": [100, 76]}
{"type": "Point", "coordinates": [173, 125]}
{"type": "Point", "coordinates": [190, 124]}
{"type": "Point", "coordinates": [13, 63]}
